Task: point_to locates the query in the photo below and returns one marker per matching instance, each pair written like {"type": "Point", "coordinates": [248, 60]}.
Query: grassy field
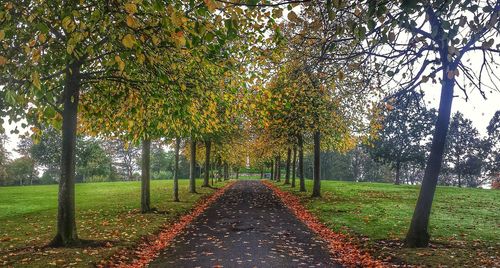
{"type": "Point", "coordinates": [465, 223]}
{"type": "Point", "coordinates": [106, 212]}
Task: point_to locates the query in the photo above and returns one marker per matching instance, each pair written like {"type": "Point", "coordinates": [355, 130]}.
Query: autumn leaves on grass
{"type": "Point", "coordinates": [346, 253]}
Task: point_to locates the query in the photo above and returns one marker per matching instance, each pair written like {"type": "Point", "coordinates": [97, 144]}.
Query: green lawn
{"type": "Point", "coordinates": [106, 211]}
{"type": "Point", "coordinates": [465, 223]}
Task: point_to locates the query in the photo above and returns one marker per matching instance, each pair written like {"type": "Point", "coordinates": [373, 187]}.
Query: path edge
{"type": "Point", "coordinates": [339, 245]}
{"type": "Point", "coordinates": [145, 252]}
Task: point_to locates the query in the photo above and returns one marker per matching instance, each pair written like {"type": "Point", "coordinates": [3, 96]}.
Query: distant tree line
{"type": "Point", "coordinates": [399, 152]}
{"type": "Point", "coordinates": [397, 155]}
{"type": "Point", "coordinates": [97, 160]}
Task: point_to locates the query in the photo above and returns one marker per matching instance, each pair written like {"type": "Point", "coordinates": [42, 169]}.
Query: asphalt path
{"type": "Point", "coordinates": [248, 226]}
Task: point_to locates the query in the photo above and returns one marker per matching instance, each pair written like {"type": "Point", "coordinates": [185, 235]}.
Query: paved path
{"type": "Point", "coordinates": [247, 226]}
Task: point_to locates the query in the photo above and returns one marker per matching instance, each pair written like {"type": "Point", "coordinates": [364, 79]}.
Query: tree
{"type": "Point", "coordinates": [192, 166]}
{"type": "Point", "coordinates": [491, 149]}
{"type": "Point", "coordinates": [206, 176]}
{"type": "Point", "coordinates": [406, 129]}
{"type": "Point", "coordinates": [418, 42]}
{"type": "Point", "coordinates": [462, 146]}
{"type": "Point", "coordinates": [287, 167]}
{"type": "Point", "coordinates": [92, 162]}
{"type": "Point", "coordinates": [72, 49]}
{"type": "Point", "coordinates": [176, 169]}
{"type": "Point", "coordinates": [312, 96]}
{"type": "Point", "coordinates": [46, 152]}
{"type": "Point", "coordinates": [21, 171]}
{"type": "Point", "coordinates": [4, 157]}
{"type": "Point", "coordinates": [123, 156]}
{"type": "Point", "coordinates": [145, 176]}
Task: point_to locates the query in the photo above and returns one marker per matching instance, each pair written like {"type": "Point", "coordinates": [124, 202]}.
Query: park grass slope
{"type": "Point", "coordinates": [106, 213]}
{"type": "Point", "coordinates": [465, 223]}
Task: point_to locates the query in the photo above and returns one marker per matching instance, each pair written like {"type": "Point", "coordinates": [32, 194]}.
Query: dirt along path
{"type": "Point", "coordinates": [248, 226]}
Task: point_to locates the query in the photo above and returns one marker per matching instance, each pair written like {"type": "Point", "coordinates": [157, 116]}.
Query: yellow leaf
{"type": "Point", "coordinates": [128, 41]}
{"type": "Point", "coordinates": [3, 60]}
{"type": "Point", "coordinates": [2, 35]}
{"type": "Point", "coordinates": [341, 75]}
{"type": "Point", "coordinates": [155, 40]}
{"type": "Point", "coordinates": [293, 17]}
{"type": "Point", "coordinates": [65, 22]}
{"type": "Point", "coordinates": [141, 58]}
{"type": "Point", "coordinates": [35, 79]}
{"type": "Point", "coordinates": [131, 8]}
{"type": "Point", "coordinates": [121, 66]}
{"type": "Point", "coordinates": [42, 38]}
{"type": "Point", "coordinates": [119, 61]}
{"type": "Point", "coordinates": [68, 24]}
{"type": "Point", "coordinates": [132, 22]}
{"type": "Point", "coordinates": [179, 39]}
{"type": "Point", "coordinates": [277, 13]}
{"type": "Point", "coordinates": [36, 55]}
{"type": "Point", "coordinates": [210, 5]}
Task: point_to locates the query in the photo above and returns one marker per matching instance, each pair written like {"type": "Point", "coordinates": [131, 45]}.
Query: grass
{"type": "Point", "coordinates": [106, 212]}
{"type": "Point", "coordinates": [465, 223]}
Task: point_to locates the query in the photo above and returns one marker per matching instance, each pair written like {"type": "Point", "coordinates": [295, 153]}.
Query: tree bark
{"type": "Point", "coordinates": [261, 173]}
{"type": "Point", "coordinates": [237, 173]}
{"type": "Point", "coordinates": [226, 171]}
{"type": "Point", "coordinates": [206, 180]}
{"type": "Point", "coordinates": [66, 225]}
{"type": "Point", "coordinates": [288, 160]}
{"type": "Point", "coordinates": [300, 169]}
{"type": "Point", "coordinates": [145, 176]}
{"type": "Point", "coordinates": [398, 172]}
{"type": "Point", "coordinates": [219, 169]}
{"type": "Point", "coordinates": [418, 235]}
{"type": "Point", "coordinates": [317, 165]}
{"type": "Point", "coordinates": [176, 170]}
{"type": "Point", "coordinates": [278, 168]}
{"type": "Point", "coordinates": [294, 160]}
{"type": "Point", "coordinates": [192, 167]}
{"type": "Point", "coordinates": [272, 170]}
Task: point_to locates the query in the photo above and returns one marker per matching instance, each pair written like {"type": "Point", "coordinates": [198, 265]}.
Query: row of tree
{"type": "Point", "coordinates": [257, 78]}
{"type": "Point", "coordinates": [99, 160]}
{"type": "Point", "coordinates": [338, 57]}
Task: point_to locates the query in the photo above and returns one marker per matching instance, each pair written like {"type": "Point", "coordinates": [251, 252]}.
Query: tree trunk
{"type": "Point", "coordinates": [272, 170]}
{"type": "Point", "coordinates": [226, 171]}
{"type": "Point", "coordinates": [176, 170]}
{"type": "Point", "coordinates": [418, 235]}
{"type": "Point", "coordinates": [219, 170]}
{"type": "Point", "coordinates": [300, 169]}
{"type": "Point", "coordinates": [278, 168]}
{"type": "Point", "coordinates": [66, 225]}
{"type": "Point", "coordinates": [145, 176]}
{"type": "Point", "coordinates": [237, 173]}
{"type": "Point", "coordinates": [398, 170]}
{"type": "Point", "coordinates": [288, 160]}
{"type": "Point", "coordinates": [207, 164]}
{"type": "Point", "coordinates": [192, 167]}
{"type": "Point", "coordinates": [294, 160]}
{"type": "Point", "coordinates": [317, 160]}
{"type": "Point", "coordinates": [261, 173]}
